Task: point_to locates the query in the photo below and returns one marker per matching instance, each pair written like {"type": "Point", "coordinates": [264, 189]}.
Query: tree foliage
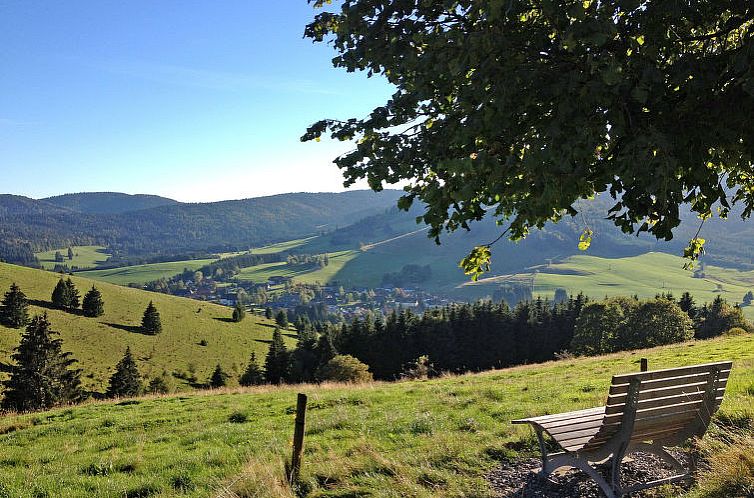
{"type": "Point", "coordinates": [150, 322]}
{"type": "Point", "coordinates": [126, 381]}
{"type": "Point", "coordinates": [344, 368]}
{"type": "Point", "coordinates": [277, 362]}
{"type": "Point", "coordinates": [218, 378]}
{"type": "Point", "coordinates": [65, 296]}
{"type": "Point", "coordinates": [520, 109]}
{"type": "Point", "coordinates": [42, 376]}
{"type": "Point", "coordinates": [253, 375]}
{"type": "Point", "coordinates": [14, 308]}
{"type": "Point", "coordinates": [93, 305]}
{"type": "Point", "coordinates": [239, 313]}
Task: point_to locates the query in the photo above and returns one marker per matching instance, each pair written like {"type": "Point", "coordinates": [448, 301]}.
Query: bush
{"type": "Point", "coordinates": [736, 331]}
{"type": "Point", "coordinates": [344, 368]}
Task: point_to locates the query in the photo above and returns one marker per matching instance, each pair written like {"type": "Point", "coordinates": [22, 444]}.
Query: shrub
{"type": "Point", "coordinates": [344, 368]}
{"type": "Point", "coordinates": [735, 331]}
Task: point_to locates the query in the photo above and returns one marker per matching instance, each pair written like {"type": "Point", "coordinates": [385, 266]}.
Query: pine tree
{"type": "Point", "coordinates": [41, 377]}
{"type": "Point", "coordinates": [281, 319]}
{"type": "Point", "coordinates": [276, 362]}
{"type": "Point", "coordinates": [219, 378]}
{"type": "Point", "coordinates": [253, 376]}
{"type": "Point", "coordinates": [59, 257]}
{"type": "Point", "coordinates": [150, 322]}
{"type": "Point", "coordinates": [268, 313]}
{"type": "Point", "coordinates": [74, 298]}
{"type": "Point", "coordinates": [239, 313]}
{"type": "Point", "coordinates": [126, 381]}
{"type": "Point", "coordinates": [70, 254]}
{"type": "Point", "coordinates": [93, 306]}
{"type": "Point", "coordinates": [14, 309]}
{"type": "Point", "coordinates": [60, 295]}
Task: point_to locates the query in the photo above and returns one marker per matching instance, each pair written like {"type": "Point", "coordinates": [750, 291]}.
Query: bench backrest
{"type": "Point", "coordinates": [671, 405]}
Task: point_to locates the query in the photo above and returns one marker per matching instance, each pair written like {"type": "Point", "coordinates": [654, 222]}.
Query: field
{"type": "Point", "coordinates": [141, 274]}
{"type": "Point", "coordinates": [435, 438]}
{"type": "Point", "coordinates": [644, 275]}
{"type": "Point", "coordinates": [98, 343]}
{"type": "Point", "coordinates": [83, 257]}
{"type": "Point", "coordinates": [308, 275]}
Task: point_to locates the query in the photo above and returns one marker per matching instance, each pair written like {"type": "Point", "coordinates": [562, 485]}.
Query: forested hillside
{"type": "Point", "coordinates": [40, 225]}
{"type": "Point", "coordinates": [108, 202]}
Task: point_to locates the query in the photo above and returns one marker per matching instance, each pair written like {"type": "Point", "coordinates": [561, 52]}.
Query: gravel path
{"type": "Point", "coordinates": [518, 478]}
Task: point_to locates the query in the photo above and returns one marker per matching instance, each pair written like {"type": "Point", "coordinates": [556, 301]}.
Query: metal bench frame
{"type": "Point", "coordinates": [610, 430]}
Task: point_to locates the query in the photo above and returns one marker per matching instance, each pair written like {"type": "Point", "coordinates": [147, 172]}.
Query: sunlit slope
{"type": "Point", "coordinates": [83, 257]}
{"type": "Point", "coordinates": [423, 439]}
{"type": "Point", "coordinates": [645, 275]}
{"type": "Point", "coordinates": [98, 343]}
{"type": "Point", "coordinates": [142, 274]}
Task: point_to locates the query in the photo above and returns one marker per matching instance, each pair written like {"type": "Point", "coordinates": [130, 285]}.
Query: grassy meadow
{"type": "Point", "coordinates": [98, 343]}
{"type": "Point", "coordinates": [645, 275]}
{"type": "Point", "coordinates": [431, 438]}
{"type": "Point", "coordinates": [141, 274]}
{"type": "Point", "coordinates": [83, 257]}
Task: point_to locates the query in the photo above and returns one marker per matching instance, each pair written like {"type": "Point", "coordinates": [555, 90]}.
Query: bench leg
{"type": "Point", "coordinates": [558, 460]}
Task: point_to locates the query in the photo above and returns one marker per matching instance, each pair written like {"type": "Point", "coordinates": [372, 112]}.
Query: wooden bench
{"type": "Point", "coordinates": [645, 412]}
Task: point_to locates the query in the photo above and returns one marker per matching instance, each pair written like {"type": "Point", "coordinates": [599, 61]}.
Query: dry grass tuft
{"type": "Point", "coordinates": [727, 468]}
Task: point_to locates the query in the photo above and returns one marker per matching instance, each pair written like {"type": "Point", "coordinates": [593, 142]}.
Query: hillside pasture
{"type": "Point", "coordinates": [428, 438]}
{"type": "Point", "coordinates": [83, 257]}
{"type": "Point", "coordinates": [645, 275]}
{"type": "Point", "coordinates": [98, 343]}
{"type": "Point", "coordinates": [141, 274]}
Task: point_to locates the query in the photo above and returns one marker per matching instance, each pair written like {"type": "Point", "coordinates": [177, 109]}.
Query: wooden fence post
{"type": "Point", "coordinates": [644, 365]}
{"type": "Point", "coordinates": [298, 438]}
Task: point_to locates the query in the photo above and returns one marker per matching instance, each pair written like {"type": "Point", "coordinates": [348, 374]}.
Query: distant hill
{"type": "Point", "coordinates": [40, 225]}
{"type": "Point", "coordinates": [108, 202]}
{"type": "Point", "coordinates": [98, 343]}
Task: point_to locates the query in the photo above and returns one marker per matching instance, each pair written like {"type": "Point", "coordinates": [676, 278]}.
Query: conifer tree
{"type": "Point", "coordinates": [58, 257]}
{"type": "Point", "coordinates": [70, 254]}
{"type": "Point", "coordinates": [73, 297]}
{"type": "Point", "coordinates": [41, 377]}
{"type": "Point", "coordinates": [126, 381]}
{"type": "Point", "coordinates": [281, 319]}
{"type": "Point", "coordinates": [219, 378]}
{"type": "Point", "coordinates": [150, 322]}
{"type": "Point", "coordinates": [253, 376]}
{"type": "Point", "coordinates": [14, 309]}
{"type": "Point", "coordinates": [93, 306]}
{"type": "Point", "coordinates": [276, 362]}
{"type": "Point", "coordinates": [268, 313]}
{"type": "Point", "coordinates": [239, 313]}
{"type": "Point", "coordinates": [60, 295]}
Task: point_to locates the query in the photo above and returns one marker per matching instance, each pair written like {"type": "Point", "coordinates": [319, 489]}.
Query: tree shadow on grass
{"type": "Point", "coordinates": [128, 328]}
{"type": "Point", "coordinates": [224, 319]}
{"type": "Point", "coordinates": [264, 341]}
{"type": "Point", "coordinates": [48, 306]}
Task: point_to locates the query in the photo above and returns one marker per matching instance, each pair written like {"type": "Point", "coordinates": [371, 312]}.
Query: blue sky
{"type": "Point", "coordinates": [198, 101]}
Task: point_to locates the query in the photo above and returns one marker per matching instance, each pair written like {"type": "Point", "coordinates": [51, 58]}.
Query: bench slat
{"type": "Point", "coordinates": [622, 387]}
{"type": "Point", "coordinates": [672, 372]}
{"type": "Point", "coordinates": [659, 402]}
{"type": "Point", "coordinates": [560, 416]}
{"type": "Point", "coordinates": [667, 392]}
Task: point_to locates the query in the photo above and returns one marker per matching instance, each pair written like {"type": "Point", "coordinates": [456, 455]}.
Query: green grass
{"type": "Point", "coordinates": [433, 438]}
{"type": "Point", "coordinates": [645, 275]}
{"type": "Point", "coordinates": [282, 246]}
{"type": "Point", "coordinates": [141, 274]}
{"type": "Point", "coordinates": [307, 275]}
{"type": "Point", "coordinates": [83, 257]}
{"type": "Point", "coordinates": [98, 343]}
